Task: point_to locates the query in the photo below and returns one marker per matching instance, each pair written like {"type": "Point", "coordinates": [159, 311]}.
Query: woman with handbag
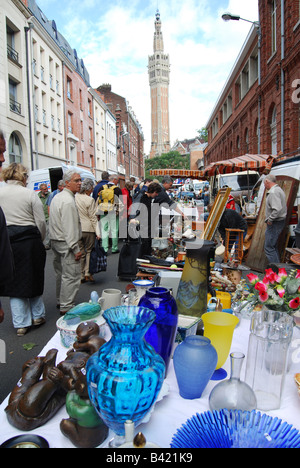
{"type": "Point", "coordinates": [89, 224]}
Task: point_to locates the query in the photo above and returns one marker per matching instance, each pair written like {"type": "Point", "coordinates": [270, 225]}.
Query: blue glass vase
{"type": "Point", "coordinates": [195, 360]}
{"type": "Point", "coordinates": [126, 374]}
{"type": "Point", "coordinates": [161, 334]}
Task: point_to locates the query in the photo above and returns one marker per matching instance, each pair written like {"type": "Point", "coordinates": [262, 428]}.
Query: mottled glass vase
{"type": "Point", "coordinates": [192, 290]}
{"type": "Point", "coordinates": [126, 374]}
{"type": "Point", "coordinates": [161, 334]}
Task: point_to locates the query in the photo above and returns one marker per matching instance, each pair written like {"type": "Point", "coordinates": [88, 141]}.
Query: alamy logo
{"type": "Point", "coordinates": [296, 93]}
{"type": "Point", "coordinates": [2, 352]}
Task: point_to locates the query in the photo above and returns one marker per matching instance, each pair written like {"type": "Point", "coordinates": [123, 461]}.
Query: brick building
{"type": "Point", "coordinates": [130, 138]}
{"type": "Point", "coordinates": [258, 109]}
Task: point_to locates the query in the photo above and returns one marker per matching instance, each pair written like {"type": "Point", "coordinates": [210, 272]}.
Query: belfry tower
{"type": "Point", "coordinates": [159, 79]}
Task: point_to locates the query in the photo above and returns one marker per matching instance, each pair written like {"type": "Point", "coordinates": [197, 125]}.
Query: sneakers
{"type": "Point", "coordinates": [38, 322]}
{"type": "Point", "coordinates": [22, 331]}
{"type": "Point", "coordinates": [35, 323]}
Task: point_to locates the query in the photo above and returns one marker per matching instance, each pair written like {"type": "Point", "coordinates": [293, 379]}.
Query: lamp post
{"type": "Point", "coordinates": [229, 17]}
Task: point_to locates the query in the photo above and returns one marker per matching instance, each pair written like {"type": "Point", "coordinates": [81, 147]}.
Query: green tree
{"type": "Point", "coordinates": [203, 134]}
{"type": "Point", "coordinates": [171, 160]}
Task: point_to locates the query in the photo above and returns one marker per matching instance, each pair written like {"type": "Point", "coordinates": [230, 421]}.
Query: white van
{"type": "Point", "coordinates": [52, 175]}
{"type": "Point", "coordinates": [241, 183]}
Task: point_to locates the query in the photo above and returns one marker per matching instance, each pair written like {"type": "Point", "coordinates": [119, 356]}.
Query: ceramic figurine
{"type": "Point", "coordinates": [88, 339]}
{"type": "Point", "coordinates": [38, 395]}
{"type": "Point", "coordinates": [84, 428]}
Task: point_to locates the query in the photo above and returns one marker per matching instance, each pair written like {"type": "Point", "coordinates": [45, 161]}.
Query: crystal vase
{"type": "Point", "coordinates": [267, 357]}
{"type": "Point", "coordinates": [233, 394]}
{"type": "Point", "coordinates": [126, 374]}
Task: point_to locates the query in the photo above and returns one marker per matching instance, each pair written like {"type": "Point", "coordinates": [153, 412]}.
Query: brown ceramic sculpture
{"type": "Point", "coordinates": [84, 428]}
{"type": "Point", "coordinates": [44, 388]}
{"type": "Point", "coordinates": [38, 395]}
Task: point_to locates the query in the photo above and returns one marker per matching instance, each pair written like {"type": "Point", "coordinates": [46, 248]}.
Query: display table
{"type": "Point", "coordinates": [172, 411]}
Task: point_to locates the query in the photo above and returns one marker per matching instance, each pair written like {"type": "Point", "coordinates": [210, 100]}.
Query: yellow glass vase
{"type": "Point", "coordinates": [219, 328]}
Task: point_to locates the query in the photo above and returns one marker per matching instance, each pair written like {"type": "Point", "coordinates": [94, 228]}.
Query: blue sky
{"type": "Point", "coordinates": [115, 37]}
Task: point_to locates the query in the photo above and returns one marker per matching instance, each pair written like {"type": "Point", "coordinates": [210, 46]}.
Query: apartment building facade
{"type": "Point", "coordinates": [49, 112]}
{"type": "Point", "coordinates": [14, 110]}
{"type": "Point", "coordinates": [129, 133]}
{"type": "Point", "coordinates": [258, 109]}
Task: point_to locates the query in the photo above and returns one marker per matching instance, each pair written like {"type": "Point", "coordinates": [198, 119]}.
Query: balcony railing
{"type": "Point", "coordinates": [12, 53]}
{"type": "Point", "coordinates": [15, 106]}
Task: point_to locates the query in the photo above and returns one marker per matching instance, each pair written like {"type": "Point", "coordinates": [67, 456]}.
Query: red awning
{"type": "Point", "coordinates": [253, 162]}
{"type": "Point", "coordinates": [177, 173]}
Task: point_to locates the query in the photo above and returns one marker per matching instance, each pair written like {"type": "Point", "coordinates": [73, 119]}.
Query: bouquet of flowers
{"type": "Point", "coordinates": [277, 291]}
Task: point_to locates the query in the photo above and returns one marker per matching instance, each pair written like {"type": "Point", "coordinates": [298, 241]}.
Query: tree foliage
{"type": "Point", "coordinates": [203, 134]}
{"type": "Point", "coordinates": [171, 160]}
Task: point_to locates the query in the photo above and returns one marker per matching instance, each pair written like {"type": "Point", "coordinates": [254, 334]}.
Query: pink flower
{"type": "Point", "coordinates": [282, 273]}
{"type": "Point", "coordinates": [252, 278]}
{"type": "Point", "coordinates": [261, 287]}
{"type": "Point", "coordinates": [263, 296]}
{"type": "Point", "coordinates": [280, 291]}
{"type": "Point", "coordinates": [271, 276]}
{"type": "Point", "coordinates": [295, 303]}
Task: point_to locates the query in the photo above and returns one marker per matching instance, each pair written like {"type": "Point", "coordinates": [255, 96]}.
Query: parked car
{"type": "Point", "coordinates": [52, 175]}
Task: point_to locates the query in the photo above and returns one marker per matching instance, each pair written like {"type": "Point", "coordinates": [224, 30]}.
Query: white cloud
{"type": "Point", "coordinates": [115, 39]}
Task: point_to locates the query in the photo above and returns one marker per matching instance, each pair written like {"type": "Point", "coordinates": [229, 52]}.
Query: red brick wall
{"type": "Point", "coordinates": [134, 146]}
{"type": "Point", "coordinates": [82, 117]}
{"type": "Point", "coordinates": [245, 113]}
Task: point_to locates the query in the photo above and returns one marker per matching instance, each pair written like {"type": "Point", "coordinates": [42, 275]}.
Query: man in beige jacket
{"type": "Point", "coordinates": [89, 225]}
{"type": "Point", "coordinates": [65, 234]}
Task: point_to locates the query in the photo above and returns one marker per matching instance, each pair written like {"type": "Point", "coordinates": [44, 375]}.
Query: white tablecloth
{"type": "Point", "coordinates": [172, 411]}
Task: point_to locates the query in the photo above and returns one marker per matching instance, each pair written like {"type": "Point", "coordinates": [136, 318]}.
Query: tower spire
{"type": "Point", "coordinates": [159, 78]}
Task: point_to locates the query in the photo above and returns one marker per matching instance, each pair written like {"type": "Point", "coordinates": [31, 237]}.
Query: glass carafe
{"type": "Point", "coordinates": [270, 337]}
{"type": "Point", "coordinates": [233, 394]}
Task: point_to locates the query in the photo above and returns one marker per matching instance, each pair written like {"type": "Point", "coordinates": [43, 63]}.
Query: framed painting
{"type": "Point", "coordinates": [215, 214]}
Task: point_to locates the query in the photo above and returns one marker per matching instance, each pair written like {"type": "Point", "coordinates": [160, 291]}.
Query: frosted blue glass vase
{"type": "Point", "coordinates": [161, 334]}
{"type": "Point", "coordinates": [195, 360]}
{"type": "Point", "coordinates": [126, 374]}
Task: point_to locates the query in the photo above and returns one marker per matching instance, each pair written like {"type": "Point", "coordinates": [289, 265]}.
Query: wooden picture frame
{"type": "Point", "coordinates": [256, 258]}
{"type": "Point", "coordinates": [215, 214]}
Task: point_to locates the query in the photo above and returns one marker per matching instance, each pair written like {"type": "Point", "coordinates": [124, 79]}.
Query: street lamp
{"type": "Point", "coordinates": [229, 17]}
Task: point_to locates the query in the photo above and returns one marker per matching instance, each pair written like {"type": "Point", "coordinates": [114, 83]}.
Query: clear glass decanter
{"type": "Point", "coordinates": [233, 394]}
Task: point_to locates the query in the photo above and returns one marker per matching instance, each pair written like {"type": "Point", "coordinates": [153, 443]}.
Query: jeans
{"type": "Point", "coordinates": [272, 234]}
{"type": "Point", "coordinates": [24, 310]}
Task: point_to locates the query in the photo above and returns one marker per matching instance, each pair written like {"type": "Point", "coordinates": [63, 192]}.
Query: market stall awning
{"type": "Point", "coordinates": [253, 162]}
{"type": "Point", "coordinates": [178, 173]}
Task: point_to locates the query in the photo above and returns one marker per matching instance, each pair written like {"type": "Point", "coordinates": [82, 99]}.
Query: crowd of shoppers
{"type": "Point", "coordinates": [71, 218]}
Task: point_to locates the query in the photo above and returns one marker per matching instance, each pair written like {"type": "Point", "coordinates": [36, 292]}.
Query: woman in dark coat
{"type": "Point", "coordinates": [6, 258]}
{"type": "Point", "coordinates": [26, 226]}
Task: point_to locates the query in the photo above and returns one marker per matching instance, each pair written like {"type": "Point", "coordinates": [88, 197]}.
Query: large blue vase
{"type": "Point", "coordinates": [161, 334]}
{"type": "Point", "coordinates": [126, 374]}
{"type": "Point", "coordinates": [195, 360]}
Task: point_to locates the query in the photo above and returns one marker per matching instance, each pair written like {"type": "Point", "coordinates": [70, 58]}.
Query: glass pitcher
{"type": "Point", "coordinates": [270, 337]}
